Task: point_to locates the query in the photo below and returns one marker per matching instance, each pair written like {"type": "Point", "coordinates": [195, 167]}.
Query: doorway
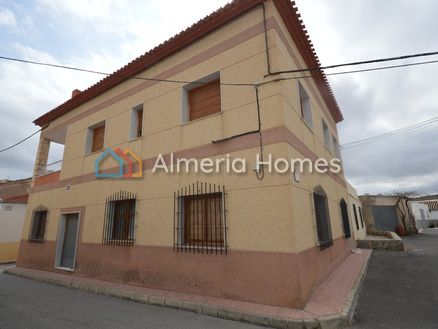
{"type": "Point", "coordinates": [67, 241]}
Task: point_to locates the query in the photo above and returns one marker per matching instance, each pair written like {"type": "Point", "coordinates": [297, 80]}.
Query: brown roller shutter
{"type": "Point", "coordinates": [205, 100]}
{"type": "Point", "coordinates": [140, 123]}
{"type": "Point", "coordinates": [98, 136]}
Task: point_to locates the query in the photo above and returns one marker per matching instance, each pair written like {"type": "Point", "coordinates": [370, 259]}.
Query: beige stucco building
{"type": "Point", "coordinates": [267, 239]}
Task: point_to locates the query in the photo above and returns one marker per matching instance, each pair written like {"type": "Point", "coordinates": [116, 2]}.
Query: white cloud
{"type": "Point", "coordinates": [7, 17]}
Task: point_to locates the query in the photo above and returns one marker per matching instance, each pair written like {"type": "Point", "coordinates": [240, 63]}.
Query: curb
{"type": "Point", "coordinates": [335, 321]}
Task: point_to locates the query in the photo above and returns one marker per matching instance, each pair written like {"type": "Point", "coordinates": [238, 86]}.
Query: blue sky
{"type": "Point", "coordinates": [104, 35]}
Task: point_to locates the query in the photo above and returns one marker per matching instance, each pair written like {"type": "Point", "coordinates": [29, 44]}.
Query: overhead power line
{"type": "Point", "coordinates": [253, 84]}
{"type": "Point", "coordinates": [371, 61]}
{"type": "Point", "coordinates": [73, 68]}
{"type": "Point", "coordinates": [394, 133]}
{"type": "Point", "coordinates": [18, 143]}
{"type": "Point", "coordinates": [348, 145]}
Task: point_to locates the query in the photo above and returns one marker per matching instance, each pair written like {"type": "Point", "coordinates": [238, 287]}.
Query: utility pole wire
{"type": "Point", "coordinates": [393, 133]}
{"type": "Point", "coordinates": [22, 141]}
{"type": "Point", "coordinates": [371, 61]}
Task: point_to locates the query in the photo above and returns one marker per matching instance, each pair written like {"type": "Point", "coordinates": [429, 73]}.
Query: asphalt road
{"type": "Point", "coordinates": [400, 290]}
{"type": "Point", "coordinates": [27, 304]}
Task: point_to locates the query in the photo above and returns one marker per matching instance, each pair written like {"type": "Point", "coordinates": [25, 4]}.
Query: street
{"type": "Point", "coordinates": [400, 290]}
{"type": "Point", "coordinates": [27, 304]}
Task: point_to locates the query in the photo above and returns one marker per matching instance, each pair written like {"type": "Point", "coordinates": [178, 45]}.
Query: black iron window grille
{"type": "Point", "coordinates": [322, 217]}
{"type": "Point", "coordinates": [38, 227]}
{"type": "Point", "coordinates": [119, 225]}
{"type": "Point", "coordinates": [200, 223]}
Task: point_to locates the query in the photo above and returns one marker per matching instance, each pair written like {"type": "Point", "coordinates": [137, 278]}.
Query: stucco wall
{"type": "Point", "coordinates": [360, 231]}
{"type": "Point", "coordinates": [274, 215]}
{"type": "Point", "coordinates": [11, 226]}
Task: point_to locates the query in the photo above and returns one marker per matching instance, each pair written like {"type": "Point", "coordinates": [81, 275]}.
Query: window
{"type": "Point", "coordinates": [322, 217]}
{"type": "Point", "coordinates": [336, 148]}
{"type": "Point", "coordinates": [202, 98]}
{"type": "Point", "coordinates": [361, 217]}
{"type": "Point", "coordinates": [355, 216]}
{"type": "Point", "coordinates": [95, 138]}
{"type": "Point", "coordinates": [136, 122]}
{"type": "Point", "coordinates": [119, 223]}
{"type": "Point", "coordinates": [306, 111]}
{"type": "Point", "coordinates": [38, 227]}
{"type": "Point", "coordinates": [345, 219]}
{"type": "Point", "coordinates": [200, 223]}
{"type": "Point", "coordinates": [326, 133]}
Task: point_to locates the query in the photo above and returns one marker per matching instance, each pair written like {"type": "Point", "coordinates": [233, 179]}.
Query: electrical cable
{"type": "Point", "coordinates": [108, 74]}
{"type": "Point", "coordinates": [394, 133]}
{"type": "Point", "coordinates": [371, 61]}
{"type": "Point", "coordinates": [18, 143]}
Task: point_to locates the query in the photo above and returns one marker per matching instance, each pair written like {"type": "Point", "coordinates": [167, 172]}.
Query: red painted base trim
{"type": "Point", "coordinates": [279, 279]}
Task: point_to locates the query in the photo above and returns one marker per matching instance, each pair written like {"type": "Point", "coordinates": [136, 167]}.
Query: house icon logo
{"type": "Point", "coordinates": [129, 165]}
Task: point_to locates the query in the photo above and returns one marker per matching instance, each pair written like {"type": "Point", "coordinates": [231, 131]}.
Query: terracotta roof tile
{"type": "Point", "coordinates": [218, 18]}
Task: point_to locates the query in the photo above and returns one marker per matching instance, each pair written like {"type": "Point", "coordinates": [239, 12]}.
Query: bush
{"type": "Point", "coordinates": [432, 225]}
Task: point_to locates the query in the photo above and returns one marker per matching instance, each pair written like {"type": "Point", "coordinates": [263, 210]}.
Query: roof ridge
{"type": "Point", "coordinates": [192, 33]}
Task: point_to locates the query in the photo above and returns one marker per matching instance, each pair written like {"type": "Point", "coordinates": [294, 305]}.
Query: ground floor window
{"type": "Point", "coordinates": [200, 219]}
{"type": "Point", "coordinates": [119, 225]}
{"type": "Point", "coordinates": [345, 219]}
{"type": "Point", "coordinates": [38, 227]}
{"type": "Point", "coordinates": [322, 218]}
{"type": "Point", "coordinates": [355, 216]}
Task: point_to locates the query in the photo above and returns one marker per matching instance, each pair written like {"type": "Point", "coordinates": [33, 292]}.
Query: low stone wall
{"type": "Point", "coordinates": [382, 243]}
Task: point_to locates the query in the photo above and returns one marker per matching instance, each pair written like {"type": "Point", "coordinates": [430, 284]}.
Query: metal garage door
{"type": "Point", "coordinates": [69, 246]}
{"type": "Point", "coordinates": [385, 218]}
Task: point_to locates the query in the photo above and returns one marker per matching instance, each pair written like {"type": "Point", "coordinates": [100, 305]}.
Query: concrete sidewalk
{"type": "Point", "coordinates": [331, 305]}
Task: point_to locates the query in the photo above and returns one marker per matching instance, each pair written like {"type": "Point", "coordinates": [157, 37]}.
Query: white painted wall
{"type": "Point", "coordinates": [417, 209]}
{"type": "Point", "coordinates": [11, 221]}
{"type": "Point", "coordinates": [434, 215]}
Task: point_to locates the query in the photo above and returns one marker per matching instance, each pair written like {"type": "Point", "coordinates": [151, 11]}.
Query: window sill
{"type": "Point", "coordinates": [95, 152]}
{"type": "Point", "coordinates": [134, 139]}
{"type": "Point", "coordinates": [123, 243]}
{"type": "Point", "coordinates": [307, 125]}
{"type": "Point", "coordinates": [191, 247]}
{"type": "Point", "coordinates": [66, 269]}
{"type": "Point", "coordinates": [36, 240]}
{"type": "Point", "coordinates": [203, 118]}
{"type": "Point", "coordinates": [325, 245]}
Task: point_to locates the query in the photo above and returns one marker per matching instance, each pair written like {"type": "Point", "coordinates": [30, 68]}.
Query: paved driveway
{"type": "Point", "coordinates": [400, 290]}
{"type": "Point", "coordinates": [27, 304]}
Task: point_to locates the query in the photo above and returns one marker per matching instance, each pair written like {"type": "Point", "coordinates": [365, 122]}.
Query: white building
{"type": "Point", "coordinates": [421, 214]}
{"type": "Point", "coordinates": [12, 213]}
{"type": "Point", "coordinates": [13, 203]}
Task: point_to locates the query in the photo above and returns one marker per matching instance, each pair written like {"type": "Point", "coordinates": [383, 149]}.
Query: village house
{"type": "Point", "coordinates": [388, 213]}
{"type": "Point", "coordinates": [13, 202]}
{"type": "Point", "coordinates": [261, 237]}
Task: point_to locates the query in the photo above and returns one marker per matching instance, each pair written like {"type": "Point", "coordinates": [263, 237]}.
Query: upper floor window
{"type": "Point", "coordinates": [38, 227]}
{"type": "Point", "coordinates": [202, 98]}
{"type": "Point", "coordinates": [326, 134]}
{"type": "Point", "coordinates": [136, 122]}
{"type": "Point", "coordinates": [322, 218]}
{"type": "Point", "coordinates": [336, 148]}
{"type": "Point", "coordinates": [306, 111]}
{"type": "Point", "coordinates": [95, 138]}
